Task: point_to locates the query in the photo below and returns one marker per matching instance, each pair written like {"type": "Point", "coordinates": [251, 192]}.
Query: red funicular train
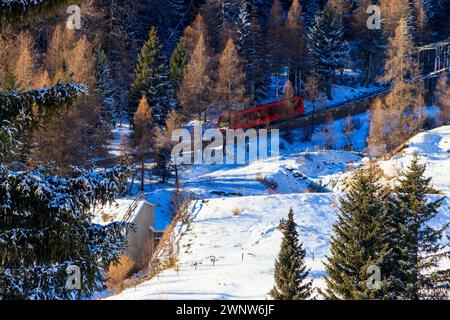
{"type": "Point", "coordinates": [263, 115]}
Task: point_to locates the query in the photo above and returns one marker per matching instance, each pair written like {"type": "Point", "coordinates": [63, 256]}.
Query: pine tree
{"type": "Point", "coordinates": [371, 46]}
{"type": "Point", "coordinates": [393, 12]}
{"type": "Point", "coordinates": [376, 141]}
{"type": "Point", "coordinates": [403, 116]}
{"type": "Point", "coordinates": [10, 82]}
{"type": "Point", "coordinates": [358, 238]}
{"type": "Point", "coordinates": [442, 98]}
{"type": "Point", "coordinates": [220, 16]}
{"type": "Point", "coordinates": [177, 64]}
{"type": "Point", "coordinates": [313, 92]}
{"type": "Point", "coordinates": [348, 129]}
{"type": "Point", "coordinates": [296, 44]}
{"type": "Point", "coordinates": [163, 146]}
{"type": "Point", "coordinates": [151, 79]}
{"type": "Point", "coordinates": [46, 228]}
{"type": "Point", "coordinates": [418, 245]}
{"type": "Point", "coordinates": [243, 26]}
{"type": "Point", "coordinates": [256, 70]}
{"type": "Point", "coordinates": [192, 33]}
{"type": "Point", "coordinates": [104, 86]}
{"type": "Point", "coordinates": [275, 45]}
{"type": "Point", "coordinates": [230, 86]}
{"type": "Point", "coordinates": [25, 66]}
{"type": "Point", "coordinates": [193, 93]}
{"type": "Point", "coordinates": [142, 137]}
{"type": "Point", "coordinates": [46, 221]}
{"type": "Point", "coordinates": [421, 25]}
{"type": "Point", "coordinates": [311, 8]}
{"type": "Point", "coordinates": [291, 272]}
{"type": "Point", "coordinates": [328, 47]}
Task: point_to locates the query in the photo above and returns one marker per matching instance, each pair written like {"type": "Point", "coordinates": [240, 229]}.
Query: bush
{"type": "Point", "coordinates": [118, 273]}
{"type": "Point", "coordinates": [267, 182]}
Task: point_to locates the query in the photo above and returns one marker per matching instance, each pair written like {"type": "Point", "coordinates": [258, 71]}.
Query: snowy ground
{"type": "Point", "coordinates": [433, 148]}
{"type": "Point", "coordinates": [301, 164]}
{"type": "Point", "coordinates": [244, 246]}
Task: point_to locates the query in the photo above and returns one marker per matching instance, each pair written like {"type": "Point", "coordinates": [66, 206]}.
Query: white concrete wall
{"type": "Point", "coordinates": [143, 218]}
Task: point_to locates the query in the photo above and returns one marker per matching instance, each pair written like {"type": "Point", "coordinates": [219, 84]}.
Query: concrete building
{"type": "Point", "coordinates": [143, 219]}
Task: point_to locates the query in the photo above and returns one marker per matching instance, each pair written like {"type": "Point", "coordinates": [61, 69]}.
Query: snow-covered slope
{"type": "Point", "coordinates": [240, 235]}
{"type": "Point", "coordinates": [433, 149]}
{"type": "Point", "coordinates": [244, 247]}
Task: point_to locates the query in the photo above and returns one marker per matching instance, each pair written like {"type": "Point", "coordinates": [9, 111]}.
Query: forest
{"type": "Point", "coordinates": [92, 93]}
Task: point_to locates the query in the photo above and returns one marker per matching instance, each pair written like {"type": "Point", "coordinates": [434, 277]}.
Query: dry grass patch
{"type": "Point", "coordinates": [117, 274]}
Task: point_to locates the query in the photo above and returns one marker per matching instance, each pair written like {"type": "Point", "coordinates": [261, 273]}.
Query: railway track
{"type": "Point", "coordinates": [434, 57]}
{"type": "Point", "coordinates": [342, 109]}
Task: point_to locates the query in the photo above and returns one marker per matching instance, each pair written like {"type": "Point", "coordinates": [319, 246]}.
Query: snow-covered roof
{"type": "Point", "coordinates": [116, 211]}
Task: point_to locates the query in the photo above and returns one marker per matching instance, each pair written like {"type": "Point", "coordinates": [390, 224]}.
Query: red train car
{"type": "Point", "coordinates": [262, 115]}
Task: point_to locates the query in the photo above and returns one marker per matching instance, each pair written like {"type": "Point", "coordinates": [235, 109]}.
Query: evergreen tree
{"type": "Point", "coordinates": [418, 246]}
{"type": "Point", "coordinates": [358, 240]}
{"type": "Point", "coordinates": [275, 45]}
{"type": "Point", "coordinates": [104, 86]}
{"type": "Point", "coordinates": [256, 70]}
{"type": "Point", "coordinates": [295, 44]}
{"type": "Point", "coordinates": [177, 63]}
{"type": "Point", "coordinates": [328, 47]}
{"type": "Point", "coordinates": [243, 27]}
{"type": "Point", "coordinates": [46, 228]}
{"type": "Point", "coordinates": [163, 146]}
{"type": "Point", "coordinates": [151, 80]}
{"type": "Point", "coordinates": [45, 220]}
{"type": "Point", "coordinates": [291, 272]}
{"type": "Point", "coordinates": [371, 47]}
{"type": "Point", "coordinates": [311, 8]}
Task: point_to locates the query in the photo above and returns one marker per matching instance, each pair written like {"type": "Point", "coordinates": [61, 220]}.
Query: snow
{"type": "Point", "coordinates": [244, 246]}
{"type": "Point", "coordinates": [114, 212]}
{"type": "Point", "coordinates": [432, 148]}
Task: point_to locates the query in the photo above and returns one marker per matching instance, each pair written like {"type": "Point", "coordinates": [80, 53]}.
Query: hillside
{"type": "Point", "coordinates": [244, 244]}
